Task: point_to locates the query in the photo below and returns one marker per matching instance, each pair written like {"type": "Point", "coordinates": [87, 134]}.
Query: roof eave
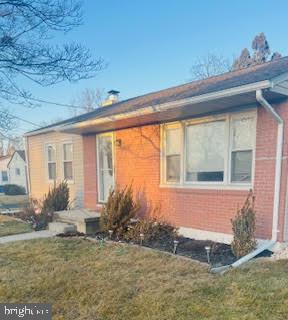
{"type": "Point", "coordinates": [76, 127]}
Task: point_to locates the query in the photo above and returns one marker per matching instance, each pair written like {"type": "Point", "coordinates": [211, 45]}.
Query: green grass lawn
{"type": "Point", "coordinates": [84, 280]}
{"type": "Point", "coordinates": [9, 226]}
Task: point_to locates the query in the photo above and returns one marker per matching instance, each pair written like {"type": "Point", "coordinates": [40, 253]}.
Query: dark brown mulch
{"type": "Point", "coordinates": [220, 253]}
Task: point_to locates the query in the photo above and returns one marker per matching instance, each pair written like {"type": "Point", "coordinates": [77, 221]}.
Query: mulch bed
{"type": "Point", "coordinates": [220, 253]}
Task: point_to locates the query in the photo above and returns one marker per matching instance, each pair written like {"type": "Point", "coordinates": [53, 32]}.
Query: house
{"type": "Point", "coordinates": [54, 156]}
{"type": "Point", "coordinates": [195, 150]}
{"type": "Point", "coordinates": [17, 169]}
{"type": "Point", "coordinates": [4, 174]}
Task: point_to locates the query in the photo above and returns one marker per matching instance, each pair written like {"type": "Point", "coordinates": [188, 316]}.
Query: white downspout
{"type": "Point", "coordinates": [277, 185]}
{"type": "Point", "coordinates": [278, 164]}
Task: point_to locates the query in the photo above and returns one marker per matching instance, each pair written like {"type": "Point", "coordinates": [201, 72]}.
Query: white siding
{"type": "Point", "coordinates": [20, 177]}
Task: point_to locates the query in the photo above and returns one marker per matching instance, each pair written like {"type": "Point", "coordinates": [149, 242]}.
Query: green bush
{"type": "Point", "coordinates": [119, 209]}
{"type": "Point", "coordinates": [57, 198]}
{"type": "Point", "coordinates": [243, 226]}
{"type": "Point", "coordinates": [13, 190]}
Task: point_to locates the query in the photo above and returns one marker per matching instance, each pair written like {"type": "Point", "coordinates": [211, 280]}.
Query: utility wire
{"type": "Point", "coordinates": [21, 119]}
{"type": "Point", "coordinates": [56, 103]}
{"type": "Point", "coordinates": [47, 102]}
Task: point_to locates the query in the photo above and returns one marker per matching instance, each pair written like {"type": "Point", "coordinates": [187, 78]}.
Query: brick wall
{"type": "Point", "coordinates": [138, 161]}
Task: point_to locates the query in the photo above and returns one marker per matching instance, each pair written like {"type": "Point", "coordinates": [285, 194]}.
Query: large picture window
{"type": "Point", "coordinates": [217, 151]}
{"type": "Point", "coordinates": [205, 151]}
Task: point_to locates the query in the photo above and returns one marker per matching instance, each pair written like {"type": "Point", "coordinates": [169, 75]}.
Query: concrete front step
{"type": "Point", "coordinates": [61, 227]}
{"type": "Point", "coordinates": [85, 221]}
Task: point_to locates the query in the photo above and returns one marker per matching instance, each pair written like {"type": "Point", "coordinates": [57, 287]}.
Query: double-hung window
{"type": "Point", "coordinates": [51, 161]}
{"type": "Point", "coordinates": [242, 144]}
{"type": "Point", "coordinates": [173, 153]}
{"type": "Point", "coordinates": [212, 151]}
{"type": "Point", "coordinates": [68, 161]}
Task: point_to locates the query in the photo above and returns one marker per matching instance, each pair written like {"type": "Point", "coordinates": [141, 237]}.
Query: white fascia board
{"type": "Point", "coordinates": [279, 89]}
{"type": "Point", "coordinates": [276, 80]}
{"type": "Point", "coordinates": [170, 105]}
{"type": "Point", "coordinates": [40, 131]}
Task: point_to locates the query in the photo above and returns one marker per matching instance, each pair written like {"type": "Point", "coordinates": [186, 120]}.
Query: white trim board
{"type": "Point", "coordinates": [205, 235]}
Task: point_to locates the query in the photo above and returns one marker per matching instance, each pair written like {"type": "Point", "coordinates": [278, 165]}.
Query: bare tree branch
{"type": "Point", "coordinates": [27, 28]}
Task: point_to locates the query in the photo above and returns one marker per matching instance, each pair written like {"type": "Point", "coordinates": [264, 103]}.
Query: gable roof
{"type": "Point", "coordinates": [255, 74]}
{"type": "Point", "coordinates": [21, 153]}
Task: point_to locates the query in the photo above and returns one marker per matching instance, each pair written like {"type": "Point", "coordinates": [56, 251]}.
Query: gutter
{"type": "Point", "coordinates": [277, 184]}
{"type": "Point", "coordinates": [265, 84]}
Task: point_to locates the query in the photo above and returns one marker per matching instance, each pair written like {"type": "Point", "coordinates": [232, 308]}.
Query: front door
{"type": "Point", "coordinates": [105, 164]}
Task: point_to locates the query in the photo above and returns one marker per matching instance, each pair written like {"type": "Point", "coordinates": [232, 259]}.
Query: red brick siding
{"type": "Point", "coordinates": [138, 161]}
{"type": "Point", "coordinates": [90, 176]}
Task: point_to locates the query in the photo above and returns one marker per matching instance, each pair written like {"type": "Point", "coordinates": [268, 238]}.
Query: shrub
{"type": "Point", "coordinates": [57, 198]}
{"type": "Point", "coordinates": [13, 190]}
{"type": "Point", "coordinates": [153, 229]}
{"type": "Point", "coordinates": [243, 226]}
{"type": "Point", "coordinates": [119, 209]}
{"type": "Point", "coordinates": [33, 214]}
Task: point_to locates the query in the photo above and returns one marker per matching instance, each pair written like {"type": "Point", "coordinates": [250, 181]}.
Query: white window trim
{"type": "Point", "coordinates": [226, 184]}
{"type": "Point", "coordinates": [47, 162]}
{"type": "Point", "coordinates": [69, 181]}
{"type": "Point", "coordinates": [101, 201]}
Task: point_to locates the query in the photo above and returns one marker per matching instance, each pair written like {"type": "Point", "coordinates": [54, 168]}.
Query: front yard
{"type": "Point", "coordinates": [13, 201]}
{"type": "Point", "coordinates": [84, 280]}
{"type": "Point", "coordinates": [10, 225]}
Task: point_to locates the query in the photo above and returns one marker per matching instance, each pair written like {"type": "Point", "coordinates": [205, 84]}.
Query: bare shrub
{"type": "Point", "coordinates": [243, 226]}
{"type": "Point", "coordinates": [119, 209]}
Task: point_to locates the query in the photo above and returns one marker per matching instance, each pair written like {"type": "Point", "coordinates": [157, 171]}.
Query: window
{"type": "Point", "coordinates": [68, 161]}
{"type": "Point", "coordinates": [105, 165]}
{"type": "Point", "coordinates": [216, 151]}
{"type": "Point", "coordinates": [242, 133]}
{"type": "Point", "coordinates": [17, 172]}
{"type": "Point", "coordinates": [173, 151]}
{"type": "Point", "coordinates": [51, 161]}
{"type": "Point", "coordinates": [4, 176]}
{"type": "Point", "coordinates": [205, 151]}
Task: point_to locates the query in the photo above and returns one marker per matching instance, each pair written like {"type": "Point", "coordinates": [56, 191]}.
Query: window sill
{"type": "Point", "coordinates": [236, 187]}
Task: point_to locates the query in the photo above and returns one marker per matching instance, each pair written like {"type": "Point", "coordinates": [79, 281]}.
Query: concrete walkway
{"type": "Point", "coordinates": [27, 236]}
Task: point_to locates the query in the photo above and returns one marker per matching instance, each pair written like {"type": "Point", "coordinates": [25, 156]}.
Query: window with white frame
{"type": "Point", "coordinates": [173, 154]}
{"type": "Point", "coordinates": [213, 151]}
{"type": "Point", "coordinates": [242, 136]}
{"type": "Point", "coordinates": [105, 164]}
{"type": "Point", "coordinates": [51, 161]}
{"type": "Point", "coordinates": [205, 151]}
{"type": "Point", "coordinates": [68, 161]}
{"type": "Point", "coordinates": [17, 172]}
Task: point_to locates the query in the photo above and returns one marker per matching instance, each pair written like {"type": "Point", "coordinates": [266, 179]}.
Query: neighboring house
{"type": "Point", "coordinates": [195, 150]}
{"type": "Point", "coordinates": [53, 157]}
{"type": "Point", "coordinates": [17, 169]}
{"type": "Point", "coordinates": [4, 172]}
